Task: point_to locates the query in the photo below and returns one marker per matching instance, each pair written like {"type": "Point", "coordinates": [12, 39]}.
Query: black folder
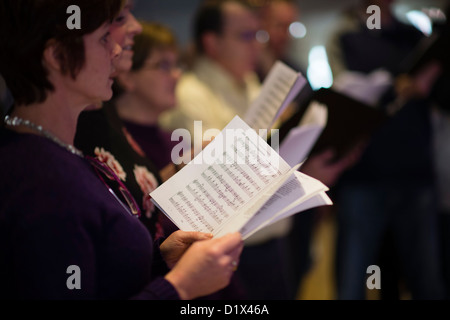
{"type": "Point", "coordinates": [434, 48]}
{"type": "Point", "coordinates": [349, 122]}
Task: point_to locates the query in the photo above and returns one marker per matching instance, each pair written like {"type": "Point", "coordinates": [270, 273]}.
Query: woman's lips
{"type": "Point", "coordinates": [128, 46]}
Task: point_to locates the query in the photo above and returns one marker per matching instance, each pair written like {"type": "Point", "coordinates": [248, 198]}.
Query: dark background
{"type": "Point", "coordinates": [319, 16]}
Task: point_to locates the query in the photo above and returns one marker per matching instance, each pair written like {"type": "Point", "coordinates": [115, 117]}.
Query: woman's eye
{"type": "Point", "coordinates": [105, 38]}
{"type": "Point", "coordinates": [119, 20]}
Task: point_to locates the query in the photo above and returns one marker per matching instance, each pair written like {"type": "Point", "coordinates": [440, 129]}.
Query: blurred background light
{"type": "Point", "coordinates": [262, 36]}
{"type": "Point", "coordinates": [435, 14]}
{"type": "Point", "coordinates": [319, 70]}
{"type": "Point", "coordinates": [297, 30]}
{"type": "Point", "coordinates": [421, 21]}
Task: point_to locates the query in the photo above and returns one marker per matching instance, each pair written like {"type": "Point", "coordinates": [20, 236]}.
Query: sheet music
{"type": "Point", "coordinates": [289, 192]}
{"type": "Point", "coordinates": [280, 88]}
{"type": "Point", "coordinates": [223, 182]}
{"type": "Point", "coordinates": [288, 200]}
{"type": "Point", "coordinates": [237, 179]}
{"type": "Point", "coordinates": [298, 144]}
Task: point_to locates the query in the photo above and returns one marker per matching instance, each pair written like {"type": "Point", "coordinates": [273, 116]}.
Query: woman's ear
{"type": "Point", "coordinates": [52, 57]}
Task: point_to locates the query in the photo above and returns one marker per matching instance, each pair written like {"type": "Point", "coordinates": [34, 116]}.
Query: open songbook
{"type": "Point", "coordinates": [298, 144]}
{"type": "Point", "coordinates": [280, 88]}
{"type": "Point", "coordinates": [238, 183]}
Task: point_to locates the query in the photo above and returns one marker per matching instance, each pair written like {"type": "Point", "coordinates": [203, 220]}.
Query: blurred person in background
{"type": "Point", "coordinates": [355, 47]}
{"type": "Point", "coordinates": [387, 213]}
{"type": "Point", "coordinates": [277, 18]}
{"type": "Point", "coordinates": [222, 82]}
{"type": "Point", "coordinates": [148, 90]}
{"type": "Point", "coordinates": [440, 101]}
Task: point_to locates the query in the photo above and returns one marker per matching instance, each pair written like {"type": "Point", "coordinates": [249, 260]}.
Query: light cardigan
{"type": "Point", "coordinates": [210, 94]}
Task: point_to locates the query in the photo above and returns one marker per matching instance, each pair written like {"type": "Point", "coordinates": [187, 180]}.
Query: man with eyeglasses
{"type": "Point", "coordinates": [222, 82]}
{"type": "Point", "coordinates": [277, 18]}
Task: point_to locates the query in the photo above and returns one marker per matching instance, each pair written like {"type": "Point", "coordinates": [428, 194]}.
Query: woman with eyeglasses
{"type": "Point", "coordinates": [148, 90]}
{"type": "Point", "coordinates": [65, 233]}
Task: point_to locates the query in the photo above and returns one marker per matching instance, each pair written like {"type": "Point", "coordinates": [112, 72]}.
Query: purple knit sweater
{"type": "Point", "coordinates": [56, 213]}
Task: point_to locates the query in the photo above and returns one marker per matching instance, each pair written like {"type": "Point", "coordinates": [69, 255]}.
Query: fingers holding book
{"type": "Point", "coordinates": [207, 266]}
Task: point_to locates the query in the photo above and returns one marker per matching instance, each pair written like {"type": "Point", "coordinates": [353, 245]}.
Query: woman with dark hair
{"type": "Point", "coordinates": [64, 232]}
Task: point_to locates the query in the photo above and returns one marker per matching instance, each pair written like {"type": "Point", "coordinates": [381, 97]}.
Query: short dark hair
{"type": "Point", "coordinates": [26, 26]}
{"type": "Point", "coordinates": [210, 18]}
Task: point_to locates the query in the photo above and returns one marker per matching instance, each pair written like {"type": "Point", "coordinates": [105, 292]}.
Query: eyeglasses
{"type": "Point", "coordinates": [103, 170]}
{"type": "Point", "coordinates": [247, 36]}
{"type": "Point", "coordinates": [165, 66]}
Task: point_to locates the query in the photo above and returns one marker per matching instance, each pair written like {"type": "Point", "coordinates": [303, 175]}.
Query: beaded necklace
{"type": "Point", "coordinates": [17, 122]}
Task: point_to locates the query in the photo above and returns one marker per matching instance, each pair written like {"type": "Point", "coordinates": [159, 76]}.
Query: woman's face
{"type": "Point", "coordinates": [124, 28]}
{"type": "Point", "coordinates": [161, 73]}
{"type": "Point", "coordinates": [95, 79]}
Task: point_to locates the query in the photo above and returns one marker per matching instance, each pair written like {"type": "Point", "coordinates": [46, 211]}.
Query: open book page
{"type": "Point", "coordinates": [297, 145]}
{"type": "Point", "coordinates": [238, 183]}
{"type": "Point", "coordinates": [221, 189]}
{"type": "Point", "coordinates": [319, 200]}
{"type": "Point", "coordinates": [368, 88]}
{"type": "Point", "coordinates": [300, 140]}
{"type": "Point", "coordinates": [288, 200]}
{"type": "Point", "coordinates": [315, 195]}
{"type": "Point", "coordinates": [239, 220]}
{"type": "Point", "coordinates": [315, 114]}
{"type": "Point", "coordinates": [279, 89]}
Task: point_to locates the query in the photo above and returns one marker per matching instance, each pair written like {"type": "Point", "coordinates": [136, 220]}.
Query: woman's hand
{"type": "Point", "coordinates": [177, 243]}
{"type": "Point", "coordinates": [206, 267]}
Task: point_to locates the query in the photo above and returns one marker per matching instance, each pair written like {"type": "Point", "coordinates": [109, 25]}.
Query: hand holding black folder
{"type": "Point", "coordinates": [349, 122]}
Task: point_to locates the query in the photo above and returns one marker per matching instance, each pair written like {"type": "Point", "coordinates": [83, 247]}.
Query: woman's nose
{"type": "Point", "coordinates": [116, 50]}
